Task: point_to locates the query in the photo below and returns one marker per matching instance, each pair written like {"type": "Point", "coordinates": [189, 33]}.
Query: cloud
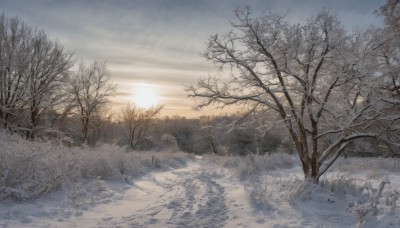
{"type": "Point", "coordinates": [160, 41]}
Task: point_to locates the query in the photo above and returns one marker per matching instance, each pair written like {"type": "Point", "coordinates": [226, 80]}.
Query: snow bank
{"type": "Point", "coordinates": [345, 197]}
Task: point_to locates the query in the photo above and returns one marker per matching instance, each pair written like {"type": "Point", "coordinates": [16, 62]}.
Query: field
{"type": "Point", "coordinates": [49, 185]}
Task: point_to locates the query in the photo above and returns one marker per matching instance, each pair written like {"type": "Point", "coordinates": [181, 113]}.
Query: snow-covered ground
{"type": "Point", "coordinates": [205, 194]}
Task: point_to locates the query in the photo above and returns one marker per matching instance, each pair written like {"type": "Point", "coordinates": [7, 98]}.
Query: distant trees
{"type": "Point", "coordinates": [32, 67]}
{"type": "Point", "coordinates": [135, 123]}
{"type": "Point", "coordinates": [316, 76]}
{"type": "Point", "coordinates": [183, 130]}
{"type": "Point", "coordinates": [90, 90]}
{"type": "Point", "coordinates": [217, 134]}
{"type": "Point", "coordinates": [209, 136]}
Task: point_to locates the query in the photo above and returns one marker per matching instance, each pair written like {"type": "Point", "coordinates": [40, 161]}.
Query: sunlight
{"type": "Point", "coordinates": [145, 96]}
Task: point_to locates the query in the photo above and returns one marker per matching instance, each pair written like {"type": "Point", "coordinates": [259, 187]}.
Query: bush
{"type": "Point", "coordinates": [30, 169]}
{"type": "Point", "coordinates": [370, 205]}
{"type": "Point", "coordinates": [169, 143]}
{"type": "Point", "coordinates": [254, 164]}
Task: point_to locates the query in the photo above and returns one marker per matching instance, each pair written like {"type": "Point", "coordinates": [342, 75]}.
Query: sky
{"type": "Point", "coordinates": [157, 44]}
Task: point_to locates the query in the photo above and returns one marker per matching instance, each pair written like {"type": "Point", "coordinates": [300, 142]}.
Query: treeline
{"type": "Point", "coordinates": [259, 133]}
{"type": "Point", "coordinates": [222, 135]}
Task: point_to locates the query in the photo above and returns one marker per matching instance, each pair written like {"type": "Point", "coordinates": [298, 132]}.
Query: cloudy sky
{"type": "Point", "coordinates": [156, 44]}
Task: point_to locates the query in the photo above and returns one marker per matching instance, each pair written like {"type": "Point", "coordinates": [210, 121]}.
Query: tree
{"type": "Point", "coordinates": [90, 90]}
{"type": "Point", "coordinates": [14, 53]}
{"type": "Point", "coordinates": [32, 68]}
{"type": "Point", "coordinates": [391, 13]}
{"type": "Point", "coordinates": [315, 76]}
{"type": "Point", "coordinates": [49, 65]}
{"type": "Point", "coordinates": [388, 55]}
{"type": "Point", "coordinates": [136, 122]}
{"type": "Point", "coordinates": [208, 136]}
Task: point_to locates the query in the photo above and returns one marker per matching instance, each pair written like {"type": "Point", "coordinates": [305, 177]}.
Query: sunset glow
{"type": "Point", "coordinates": [145, 96]}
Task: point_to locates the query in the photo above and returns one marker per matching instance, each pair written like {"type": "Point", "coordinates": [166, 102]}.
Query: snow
{"type": "Point", "coordinates": [206, 194]}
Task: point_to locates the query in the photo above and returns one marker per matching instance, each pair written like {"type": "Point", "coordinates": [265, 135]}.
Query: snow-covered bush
{"type": "Point", "coordinates": [254, 164]}
{"type": "Point", "coordinates": [80, 194]}
{"type": "Point", "coordinates": [169, 142]}
{"type": "Point", "coordinates": [29, 169]}
{"type": "Point", "coordinates": [380, 206]}
{"type": "Point", "coordinates": [369, 204]}
{"type": "Point", "coordinates": [111, 162]}
{"type": "Point", "coordinates": [367, 164]}
{"type": "Point", "coordinates": [339, 187]}
{"type": "Point", "coordinates": [259, 195]}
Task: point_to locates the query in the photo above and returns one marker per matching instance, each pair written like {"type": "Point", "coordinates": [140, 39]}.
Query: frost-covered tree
{"type": "Point", "coordinates": [136, 122]}
{"type": "Point", "coordinates": [315, 75]}
{"type": "Point", "coordinates": [210, 134]}
{"type": "Point", "coordinates": [391, 13]}
{"type": "Point", "coordinates": [32, 67]}
{"type": "Point", "coordinates": [14, 54]}
{"type": "Point", "coordinates": [90, 90]}
{"type": "Point", "coordinates": [49, 65]}
{"type": "Point", "coordinates": [388, 55]}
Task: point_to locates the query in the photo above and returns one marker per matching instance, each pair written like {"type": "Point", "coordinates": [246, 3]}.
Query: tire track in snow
{"type": "Point", "coordinates": [182, 198]}
{"type": "Point", "coordinates": [204, 203]}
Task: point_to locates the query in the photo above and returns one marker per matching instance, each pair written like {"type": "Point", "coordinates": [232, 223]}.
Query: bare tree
{"type": "Point", "coordinates": [391, 13]}
{"type": "Point", "coordinates": [136, 122]}
{"type": "Point", "coordinates": [49, 65]}
{"type": "Point", "coordinates": [208, 134]}
{"type": "Point", "coordinates": [14, 53]}
{"type": "Point", "coordinates": [315, 76]}
{"type": "Point", "coordinates": [32, 67]}
{"type": "Point", "coordinates": [388, 55]}
{"type": "Point", "coordinates": [90, 90]}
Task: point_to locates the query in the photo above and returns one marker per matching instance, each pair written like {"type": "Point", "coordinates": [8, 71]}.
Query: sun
{"type": "Point", "coordinates": [145, 96]}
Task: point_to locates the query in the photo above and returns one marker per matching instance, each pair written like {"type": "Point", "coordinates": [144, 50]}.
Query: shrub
{"type": "Point", "coordinates": [169, 142]}
{"type": "Point", "coordinates": [30, 169]}
{"type": "Point", "coordinates": [254, 164]}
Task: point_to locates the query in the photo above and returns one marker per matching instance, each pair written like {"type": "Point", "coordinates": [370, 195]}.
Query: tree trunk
{"type": "Point", "coordinates": [310, 168]}
{"type": "Point", "coordinates": [30, 134]}
{"type": "Point", "coordinates": [84, 130]}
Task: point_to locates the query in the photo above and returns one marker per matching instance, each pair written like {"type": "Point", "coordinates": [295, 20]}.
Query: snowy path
{"type": "Point", "coordinates": [199, 195]}
{"type": "Point", "coordinates": [182, 198]}
{"type": "Point", "coordinates": [194, 196]}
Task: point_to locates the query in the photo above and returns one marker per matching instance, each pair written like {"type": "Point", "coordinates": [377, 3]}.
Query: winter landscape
{"type": "Point", "coordinates": [288, 117]}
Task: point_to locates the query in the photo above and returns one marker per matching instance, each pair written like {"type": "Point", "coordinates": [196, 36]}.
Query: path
{"type": "Point", "coordinates": [188, 197]}
{"type": "Point", "coordinates": [199, 195]}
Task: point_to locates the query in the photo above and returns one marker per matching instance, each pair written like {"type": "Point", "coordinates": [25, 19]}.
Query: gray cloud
{"type": "Point", "coordinates": [159, 41]}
